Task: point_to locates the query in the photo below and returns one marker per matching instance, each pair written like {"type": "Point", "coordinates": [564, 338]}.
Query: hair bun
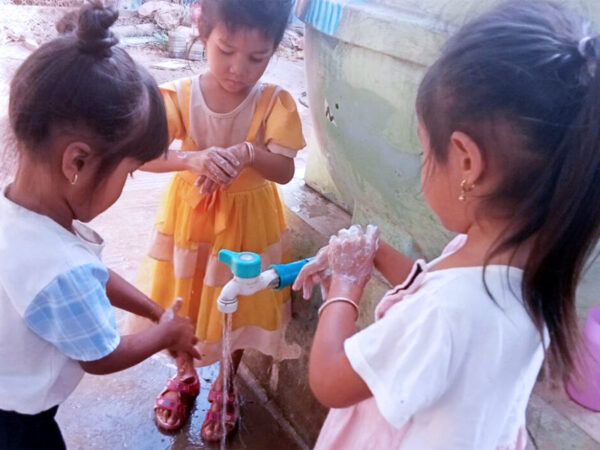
{"type": "Point", "coordinates": [93, 30]}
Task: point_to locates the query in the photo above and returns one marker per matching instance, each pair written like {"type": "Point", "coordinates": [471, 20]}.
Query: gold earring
{"type": "Point", "coordinates": [464, 189]}
{"type": "Point", "coordinates": [74, 180]}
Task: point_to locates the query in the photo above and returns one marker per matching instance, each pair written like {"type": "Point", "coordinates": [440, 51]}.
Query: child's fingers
{"type": "Point", "coordinates": [224, 165]}
{"type": "Point", "coordinates": [208, 187]}
{"type": "Point", "coordinates": [306, 290]}
{"type": "Point", "coordinates": [353, 230]}
{"type": "Point", "coordinates": [216, 173]}
{"type": "Point", "coordinates": [211, 187]}
{"type": "Point", "coordinates": [229, 156]}
{"type": "Point", "coordinates": [200, 180]}
{"type": "Point", "coordinates": [177, 304]}
{"type": "Point", "coordinates": [194, 352]}
{"type": "Point", "coordinates": [343, 233]}
{"type": "Point", "coordinates": [307, 287]}
{"type": "Point", "coordinates": [372, 234]}
{"type": "Point", "coordinates": [298, 282]}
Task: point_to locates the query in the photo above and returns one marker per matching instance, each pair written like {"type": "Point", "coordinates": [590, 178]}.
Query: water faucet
{"type": "Point", "coordinates": [248, 278]}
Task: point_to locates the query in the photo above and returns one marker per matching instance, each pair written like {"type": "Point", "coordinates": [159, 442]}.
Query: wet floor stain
{"type": "Point", "coordinates": [116, 412]}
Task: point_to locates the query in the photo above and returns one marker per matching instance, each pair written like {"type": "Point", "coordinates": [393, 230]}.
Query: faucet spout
{"type": "Point", "coordinates": [228, 298]}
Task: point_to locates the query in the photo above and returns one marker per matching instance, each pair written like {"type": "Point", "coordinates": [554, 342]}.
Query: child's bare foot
{"type": "Point", "coordinates": [174, 403]}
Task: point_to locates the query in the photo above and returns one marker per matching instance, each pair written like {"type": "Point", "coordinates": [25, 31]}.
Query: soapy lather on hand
{"type": "Point", "coordinates": [349, 256]}
{"type": "Point", "coordinates": [223, 165]}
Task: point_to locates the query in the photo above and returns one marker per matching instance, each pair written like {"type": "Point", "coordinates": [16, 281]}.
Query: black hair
{"type": "Point", "coordinates": [269, 16]}
{"type": "Point", "coordinates": [523, 82]}
{"type": "Point", "coordinates": [82, 83]}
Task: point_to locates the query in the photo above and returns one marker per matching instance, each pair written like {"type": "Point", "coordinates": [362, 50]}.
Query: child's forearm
{"type": "Point", "coordinates": [125, 296]}
{"type": "Point", "coordinates": [174, 161]}
{"type": "Point", "coordinates": [392, 264]}
{"type": "Point", "coordinates": [327, 356]}
{"type": "Point", "coordinates": [132, 350]}
{"type": "Point", "coordinates": [274, 167]}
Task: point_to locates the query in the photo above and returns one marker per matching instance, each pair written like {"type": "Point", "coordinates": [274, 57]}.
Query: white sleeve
{"type": "Point", "coordinates": [281, 150]}
{"type": "Point", "coordinates": [404, 359]}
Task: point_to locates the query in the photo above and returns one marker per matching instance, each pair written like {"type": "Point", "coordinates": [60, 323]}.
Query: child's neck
{"type": "Point", "coordinates": [34, 190]}
{"type": "Point", "coordinates": [218, 99]}
{"type": "Point", "coordinates": [482, 238]}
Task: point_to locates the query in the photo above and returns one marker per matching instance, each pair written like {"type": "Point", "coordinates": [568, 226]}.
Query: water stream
{"type": "Point", "coordinates": [226, 371]}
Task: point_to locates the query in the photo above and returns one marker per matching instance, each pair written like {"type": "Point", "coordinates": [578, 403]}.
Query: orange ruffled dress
{"type": "Point", "coordinates": [248, 215]}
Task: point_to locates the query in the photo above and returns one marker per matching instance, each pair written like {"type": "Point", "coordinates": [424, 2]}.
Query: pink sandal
{"type": "Point", "coordinates": [187, 391]}
{"type": "Point", "coordinates": [214, 417]}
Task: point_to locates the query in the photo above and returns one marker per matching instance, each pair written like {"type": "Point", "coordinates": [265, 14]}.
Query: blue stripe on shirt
{"type": "Point", "coordinates": [74, 314]}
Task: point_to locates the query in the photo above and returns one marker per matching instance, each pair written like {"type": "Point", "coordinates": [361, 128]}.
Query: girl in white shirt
{"type": "Point", "coordinates": [85, 116]}
{"type": "Point", "coordinates": [508, 121]}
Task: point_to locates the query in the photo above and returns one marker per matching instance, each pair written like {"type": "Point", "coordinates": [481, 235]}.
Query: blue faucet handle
{"type": "Point", "coordinates": [242, 264]}
{"type": "Point", "coordinates": [288, 272]}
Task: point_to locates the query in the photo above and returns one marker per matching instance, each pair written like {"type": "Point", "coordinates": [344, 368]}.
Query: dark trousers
{"type": "Point", "coordinates": [25, 431]}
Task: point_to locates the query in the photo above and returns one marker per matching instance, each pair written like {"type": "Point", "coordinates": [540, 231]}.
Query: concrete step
{"type": "Point", "coordinates": [555, 422]}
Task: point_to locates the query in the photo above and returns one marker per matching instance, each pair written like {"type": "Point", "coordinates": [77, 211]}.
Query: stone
{"type": "Point", "coordinates": [167, 16]}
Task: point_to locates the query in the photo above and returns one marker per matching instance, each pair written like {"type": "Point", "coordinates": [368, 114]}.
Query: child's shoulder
{"type": "Point", "coordinates": [173, 85]}
{"type": "Point", "coordinates": [456, 300]}
{"type": "Point", "coordinates": [282, 119]}
{"type": "Point", "coordinates": [275, 91]}
{"type": "Point", "coordinates": [34, 250]}
{"type": "Point", "coordinates": [461, 293]}
{"type": "Point", "coordinates": [466, 285]}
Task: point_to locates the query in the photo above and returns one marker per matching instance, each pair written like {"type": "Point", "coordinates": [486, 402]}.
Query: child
{"type": "Point", "coordinates": [508, 120]}
{"type": "Point", "coordinates": [238, 137]}
{"type": "Point", "coordinates": [80, 109]}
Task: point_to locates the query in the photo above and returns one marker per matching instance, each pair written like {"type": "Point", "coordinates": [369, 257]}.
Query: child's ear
{"type": "Point", "coordinates": [75, 157]}
{"type": "Point", "coordinates": [469, 156]}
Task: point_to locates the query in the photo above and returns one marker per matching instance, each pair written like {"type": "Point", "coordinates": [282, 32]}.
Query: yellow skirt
{"type": "Point", "coordinates": [183, 262]}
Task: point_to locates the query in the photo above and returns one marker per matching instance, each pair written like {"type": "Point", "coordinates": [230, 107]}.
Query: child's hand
{"type": "Point", "coordinates": [206, 185]}
{"type": "Point", "coordinates": [351, 254]}
{"type": "Point", "coordinates": [240, 156]}
{"type": "Point", "coordinates": [237, 156]}
{"type": "Point", "coordinates": [179, 331]}
{"type": "Point", "coordinates": [212, 165]}
{"type": "Point", "coordinates": [315, 272]}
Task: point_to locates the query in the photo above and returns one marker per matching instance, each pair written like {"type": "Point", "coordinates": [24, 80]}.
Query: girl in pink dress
{"type": "Point", "coordinates": [508, 121]}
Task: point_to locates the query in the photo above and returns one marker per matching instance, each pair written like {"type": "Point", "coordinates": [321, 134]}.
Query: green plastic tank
{"type": "Point", "coordinates": [364, 62]}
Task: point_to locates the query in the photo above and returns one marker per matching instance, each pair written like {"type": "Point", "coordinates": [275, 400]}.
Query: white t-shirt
{"type": "Point", "coordinates": [448, 367]}
{"type": "Point", "coordinates": [54, 310]}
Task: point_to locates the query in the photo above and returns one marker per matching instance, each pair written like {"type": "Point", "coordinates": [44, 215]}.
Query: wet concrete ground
{"type": "Point", "coordinates": [115, 412]}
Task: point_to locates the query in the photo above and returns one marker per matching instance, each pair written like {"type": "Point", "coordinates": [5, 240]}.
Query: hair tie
{"type": "Point", "coordinates": [582, 46]}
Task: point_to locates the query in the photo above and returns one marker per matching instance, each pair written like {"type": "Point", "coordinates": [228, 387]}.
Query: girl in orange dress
{"type": "Point", "coordinates": [239, 137]}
